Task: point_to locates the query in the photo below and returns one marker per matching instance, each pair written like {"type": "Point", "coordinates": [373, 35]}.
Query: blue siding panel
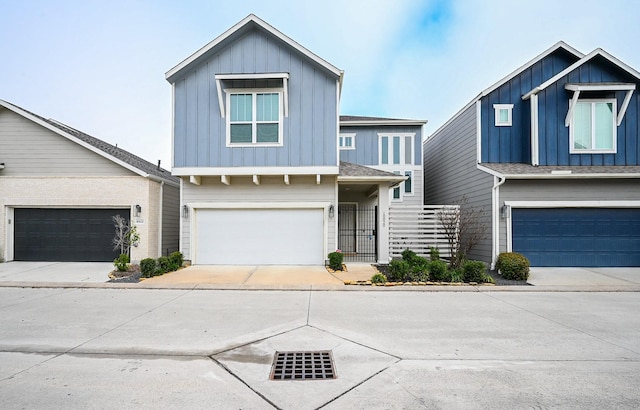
{"type": "Point", "coordinates": [578, 236]}
{"type": "Point", "coordinates": [309, 132]}
{"type": "Point", "coordinates": [366, 152]}
{"type": "Point", "coordinates": [513, 144]}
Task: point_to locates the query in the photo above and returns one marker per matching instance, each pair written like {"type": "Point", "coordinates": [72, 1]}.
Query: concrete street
{"type": "Point", "coordinates": [194, 348]}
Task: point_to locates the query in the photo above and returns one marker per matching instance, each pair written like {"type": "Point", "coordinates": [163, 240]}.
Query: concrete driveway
{"type": "Point", "coordinates": [585, 277]}
{"type": "Point", "coordinates": [84, 272]}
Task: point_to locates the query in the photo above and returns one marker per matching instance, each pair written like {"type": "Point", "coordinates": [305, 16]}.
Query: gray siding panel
{"type": "Point", "coordinates": [170, 219]}
{"type": "Point", "coordinates": [30, 149]}
{"type": "Point", "coordinates": [366, 152]}
{"type": "Point", "coordinates": [450, 172]}
{"type": "Point", "coordinates": [309, 132]}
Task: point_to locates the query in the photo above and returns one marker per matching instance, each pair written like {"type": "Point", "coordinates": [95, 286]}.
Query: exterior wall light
{"type": "Point", "coordinates": [332, 211]}
{"type": "Point", "coordinates": [185, 211]}
{"type": "Point", "coordinates": [138, 210]}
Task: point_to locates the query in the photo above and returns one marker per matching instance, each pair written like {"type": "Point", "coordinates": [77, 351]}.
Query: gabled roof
{"type": "Point", "coordinates": [119, 156]}
{"type": "Point", "coordinates": [358, 120]}
{"type": "Point", "coordinates": [597, 52]}
{"type": "Point", "coordinates": [245, 25]}
{"type": "Point", "coordinates": [519, 70]}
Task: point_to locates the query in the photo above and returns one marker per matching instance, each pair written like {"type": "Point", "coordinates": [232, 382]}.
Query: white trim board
{"type": "Point", "coordinates": [250, 171]}
{"type": "Point", "coordinates": [573, 204]}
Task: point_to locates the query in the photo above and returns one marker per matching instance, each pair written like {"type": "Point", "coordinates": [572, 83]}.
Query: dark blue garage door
{"type": "Point", "coordinates": [578, 236]}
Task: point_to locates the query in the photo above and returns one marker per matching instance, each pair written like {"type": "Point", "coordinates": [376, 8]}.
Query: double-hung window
{"type": "Point", "coordinates": [254, 117]}
{"type": "Point", "coordinates": [593, 126]}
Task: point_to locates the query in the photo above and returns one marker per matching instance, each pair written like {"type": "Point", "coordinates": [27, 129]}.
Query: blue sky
{"type": "Point", "coordinates": [99, 65]}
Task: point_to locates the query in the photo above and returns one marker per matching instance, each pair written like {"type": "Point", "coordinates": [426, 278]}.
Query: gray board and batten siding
{"type": "Point", "coordinates": [29, 149]}
{"type": "Point", "coordinates": [450, 172]}
{"type": "Point", "coordinates": [309, 132]}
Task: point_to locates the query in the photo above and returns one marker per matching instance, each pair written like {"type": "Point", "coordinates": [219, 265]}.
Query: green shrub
{"type": "Point", "coordinates": [474, 271]}
{"type": "Point", "coordinates": [455, 275]}
{"type": "Point", "coordinates": [163, 266]}
{"type": "Point", "coordinates": [378, 278]}
{"type": "Point", "coordinates": [147, 267]}
{"type": "Point", "coordinates": [419, 269]}
{"type": "Point", "coordinates": [335, 260]}
{"type": "Point", "coordinates": [177, 259]}
{"type": "Point", "coordinates": [434, 254]}
{"type": "Point", "coordinates": [399, 270]}
{"type": "Point", "coordinates": [408, 255]}
{"type": "Point", "coordinates": [122, 262]}
{"type": "Point", "coordinates": [438, 271]}
{"type": "Point", "coordinates": [512, 265]}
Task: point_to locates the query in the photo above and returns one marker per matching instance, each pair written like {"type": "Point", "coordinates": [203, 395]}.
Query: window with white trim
{"type": "Point", "coordinates": [408, 184]}
{"type": "Point", "coordinates": [254, 117]}
{"type": "Point", "coordinates": [503, 115]}
{"type": "Point", "coordinates": [396, 195]}
{"type": "Point", "coordinates": [593, 126]}
{"type": "Point", "coordinates": [396, 149]}
{"type": "Point", "coordinates": [347, 141]}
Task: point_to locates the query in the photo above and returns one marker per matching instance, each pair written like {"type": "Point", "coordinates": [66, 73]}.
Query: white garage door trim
{"type": "Point", "coordinates": [560, 204]}
{"type": "Point", "coordinates": [194, 207]}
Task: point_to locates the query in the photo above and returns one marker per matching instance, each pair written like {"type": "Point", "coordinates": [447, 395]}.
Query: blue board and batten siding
{"type": "Point", "coordinates": [512, 144]}
{"type": "Point", "coordinates": [367, 143]}
{"type": "Point", "coordinates": [309, 132]}
{"type": "Point", "coordinates": [553, 103]}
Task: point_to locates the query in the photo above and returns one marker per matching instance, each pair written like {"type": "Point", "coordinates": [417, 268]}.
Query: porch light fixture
{"type": "Point", "coordinates": [138, 210]}
{"type": "Point", "coordinates": [332, 211]}
{"type": "Point", "coordinates": [185, 211]}
{"type": "Point", "coordinates": [505, 212]}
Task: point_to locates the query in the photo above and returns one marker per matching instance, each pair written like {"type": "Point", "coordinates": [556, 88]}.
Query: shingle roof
{"type": "Point", "coordinates": [112, 150]}
{"type": "Point", "coordinates": [358, 119]}
{"type": "Point", "coordinates": [528, 169]}
{"type": "Point", "coordinates": [348, 169]}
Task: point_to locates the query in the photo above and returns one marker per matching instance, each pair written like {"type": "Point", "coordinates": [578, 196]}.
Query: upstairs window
{"type": "Point", "coordinates": [593, 126]}
{"type": "Point", "coordinates": [347, 141]}
{"type": "Point", "coordinates": [396, 149]}
{"type": "Point", "coordinates": [503, 114]}
{"type": "Point", "coordinates": [255, 117]}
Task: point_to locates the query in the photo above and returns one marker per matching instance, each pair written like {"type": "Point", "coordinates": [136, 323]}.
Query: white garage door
{"type": "Point", "coordinates": [259, 237]}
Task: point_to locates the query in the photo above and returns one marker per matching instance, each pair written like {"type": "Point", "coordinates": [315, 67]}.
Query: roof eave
{"type": "Point", "coordinates": [363, 123]}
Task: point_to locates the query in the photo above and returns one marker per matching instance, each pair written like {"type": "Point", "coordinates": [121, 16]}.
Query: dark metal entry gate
{"type": "Point", "coordinates": [357, 237]}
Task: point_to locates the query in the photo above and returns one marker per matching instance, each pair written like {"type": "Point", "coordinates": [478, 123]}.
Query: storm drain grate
{"type": "Point", "coordinates": [316, 365]}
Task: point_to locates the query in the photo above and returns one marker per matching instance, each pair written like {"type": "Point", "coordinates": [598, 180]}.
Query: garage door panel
{"type": "Point", "coordinates": [259, 236]}
{"type": "Point", "coordinates": [69, 235]}
{"type": "Point", "coordinates": [578, 236]}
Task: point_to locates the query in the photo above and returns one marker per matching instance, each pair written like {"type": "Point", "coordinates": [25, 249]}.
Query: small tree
{"type": "Point", "coordinates": [464, 228]}
{"type": "Point", "coordinates": [126, 235]}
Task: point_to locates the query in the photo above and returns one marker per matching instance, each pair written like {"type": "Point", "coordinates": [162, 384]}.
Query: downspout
{"type": "Point", "coordinates": [495, 216]}
{"type": "Point", "coordinates": [160, 211]}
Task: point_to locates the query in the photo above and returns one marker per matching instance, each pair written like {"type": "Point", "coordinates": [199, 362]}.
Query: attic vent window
{"type": "Point", "coordinates": [503, 114]}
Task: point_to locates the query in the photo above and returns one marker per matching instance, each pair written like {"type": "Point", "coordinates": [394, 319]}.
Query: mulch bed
{"type": "Point", "coordinates": [132, 275]}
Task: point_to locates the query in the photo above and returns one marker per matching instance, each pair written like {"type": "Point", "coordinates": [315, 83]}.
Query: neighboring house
{"type": "Point", "coordinates": [256, 146]}
{"type": "Point", "coordinates": [60, 188]}
{"type": "Point", "coordinates": [552, 153]}
{"type": "Point", "coordinates": [387, 144]}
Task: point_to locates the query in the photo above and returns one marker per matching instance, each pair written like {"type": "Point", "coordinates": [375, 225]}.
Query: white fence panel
{"type": "Point", "coordinates": [418, 228]}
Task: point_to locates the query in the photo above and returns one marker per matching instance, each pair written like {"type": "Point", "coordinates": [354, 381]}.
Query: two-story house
{"type": "Point", "coordinates": [552, 154]}
{"type": "Point", "coordinates": [257, 145]}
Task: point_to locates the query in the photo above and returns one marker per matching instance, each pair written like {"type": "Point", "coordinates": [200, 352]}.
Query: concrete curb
{"type": "Point", "coordinates": [318, 288]}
